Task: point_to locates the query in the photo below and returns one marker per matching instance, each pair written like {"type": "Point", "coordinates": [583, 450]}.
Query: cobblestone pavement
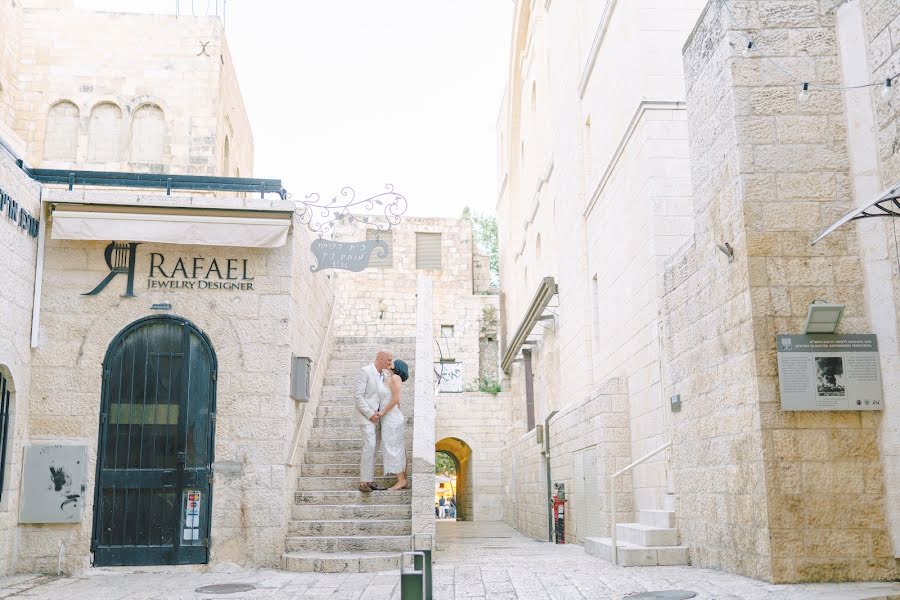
{"type": "Point", "coordinates": [487, 561]}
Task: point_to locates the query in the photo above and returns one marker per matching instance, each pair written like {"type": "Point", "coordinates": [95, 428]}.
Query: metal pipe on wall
{"type": "Point", "coordinates": [549, 478]}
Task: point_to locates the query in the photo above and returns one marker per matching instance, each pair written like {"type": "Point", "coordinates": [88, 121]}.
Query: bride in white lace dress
{"type": "Point", "coordinates": [393, 426]}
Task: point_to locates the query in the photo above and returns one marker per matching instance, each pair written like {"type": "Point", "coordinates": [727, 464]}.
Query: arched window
{"type": "Point", "coordinates": [61, 136]}
{"type": "Point", "coordinates": [226, 158]}
{"type": "Point", "coordinates": [537, 247]}
{"type": "Point", "coordinates": [533, 96]}
{"type": "Point", "coordinates": [103, 133]}
{"type": "Point", "coordinates": [148, 134]}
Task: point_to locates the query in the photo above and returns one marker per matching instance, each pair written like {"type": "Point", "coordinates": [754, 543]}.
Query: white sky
{"type": "Point", "coordinates": [368, 92]}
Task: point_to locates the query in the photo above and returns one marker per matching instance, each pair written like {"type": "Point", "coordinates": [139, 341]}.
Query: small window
{"type": "Point", "coordinates": [428, 251]}
{"type": "Point", "coordinates": [377, 261]}
{"type": "Point", "coordinates": [447, 331]}
{"type": "Point", "coordinates": [5, 417]}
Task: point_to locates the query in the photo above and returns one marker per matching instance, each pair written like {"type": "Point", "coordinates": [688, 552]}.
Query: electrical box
{"type": "Point", "coordinates": [300, 370]}
{"type": "Point", "coordinates": [675, 402]}
{"type": "Point", "coordinates": [53, 484]}
{"type": "Point", "coordinates": [539, 436]}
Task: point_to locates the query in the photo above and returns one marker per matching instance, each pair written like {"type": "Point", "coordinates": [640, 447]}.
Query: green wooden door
{"type": "Point", "coordinates": [153, 493]}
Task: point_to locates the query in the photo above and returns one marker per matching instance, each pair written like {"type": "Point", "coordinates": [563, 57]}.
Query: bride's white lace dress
{"type": "Point", "coordinates": [393, 438]}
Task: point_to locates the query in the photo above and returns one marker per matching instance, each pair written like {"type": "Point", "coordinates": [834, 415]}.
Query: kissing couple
{"type": "Point", "coordinates": [378, 388]}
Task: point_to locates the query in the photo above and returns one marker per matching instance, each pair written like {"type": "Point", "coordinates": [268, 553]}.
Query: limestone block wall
{"type": "Point", "coordinates": [881, 48]}
{"type": "Point", "coordinates": [309, 320]}
{"type": "Point", "coordinates": [525, 484]}
{"type": "Point", "coordinates": [104, 102]}
{"type": "Point", "coordinates": [10, 30]}
{"type": "Point", "coordinates": [253, 333]}
{"type": "Point", "coordinates": [359, 295]}
{"type": "Point", "coordinates": [782, 496]}
{"type": "Point", "coordinates": [17, 273]}
{"type": "Point", "coordinates": [599, 424]}
{"type": "Point", "coordinates": [233, 124]}
{"type": "Point", "coordinates": [647, 186]}
{"type": "Point", "coordinates": [479, 421]}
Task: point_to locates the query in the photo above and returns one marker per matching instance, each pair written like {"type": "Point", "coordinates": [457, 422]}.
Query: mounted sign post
{"type": "Point", "coordinates": [322, 217]}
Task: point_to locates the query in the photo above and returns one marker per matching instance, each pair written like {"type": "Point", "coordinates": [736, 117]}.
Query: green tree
{"type": "Point", "coordinates": [484, 230]}
{"type": "Point", "coordinates": [444, 464]}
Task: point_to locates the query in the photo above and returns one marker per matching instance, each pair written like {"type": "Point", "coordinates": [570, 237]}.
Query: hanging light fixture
{"type": "Point", "coordinates": [804, 93]}
{"type": "Point", "coordinates": [748, 51]}
{"type": "Point", "coordinates": [887, 89]}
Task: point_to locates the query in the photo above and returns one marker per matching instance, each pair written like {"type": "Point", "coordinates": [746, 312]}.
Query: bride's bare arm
{"type": "Point", "coordinates": [396, 385]}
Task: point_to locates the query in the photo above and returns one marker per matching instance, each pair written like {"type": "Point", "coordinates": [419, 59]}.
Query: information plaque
{"type": "Point", "coordinates": [829, 372]}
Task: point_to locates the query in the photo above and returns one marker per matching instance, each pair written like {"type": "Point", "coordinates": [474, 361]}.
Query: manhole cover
{"type": "Point", "coordinates": [225, 588]}
{"type": "Point", "coordinates": [663, 595]}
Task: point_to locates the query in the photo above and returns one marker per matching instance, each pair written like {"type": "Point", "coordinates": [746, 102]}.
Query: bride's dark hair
{"type": "Point", "coordinates": [401, 369]}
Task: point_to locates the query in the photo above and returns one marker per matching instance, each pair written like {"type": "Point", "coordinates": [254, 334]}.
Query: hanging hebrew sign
{"type": "Point", "coordinates": [829, 372]}
{"type": "Point", "coordinates": [349, 256]}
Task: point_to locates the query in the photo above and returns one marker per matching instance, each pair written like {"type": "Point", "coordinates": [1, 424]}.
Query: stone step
{"type": "Point", "coordinates": [332, 457]}
{"type": "Point", "coordinates": [633, 555]}
{"type": "Point", "coordinates": [342, 422]}
{"type": "Point", "coordinates": [351, 511]}
{"type": "Point", "coordinates": [347, 410]}
{"type": "Point", "coordinates": [352, 497]}
{"type": "Point", "coordinates": [375, 340]}
{"type": "Point", "coordinates": [350, 359]}
{"type": "Point", "coordinates": [645, 535]}
{"type": "Point", "coordinates": [338, 483]}
{"type": "Point", "coordinates": [341, 562]}
{"type": "Point", "coordinates": [325, 443]}
{"type": "Point", "coordinates": [345, 470]}
{"type": "Point", "coordinates": [350, 527]}
{"type": "Point", "coordinates": [669, 501]}
{"type": "Point", "coordinates": [354, 357]}
{"type": "Point", "coordinates": [350, 432]}
{"type": "Point", "coordinates": [333, 470]}
{"type": "Point", "coordinates": [664, 519]}
{"type": "Point", "coordinates": [347, 432]}
{"type": "Point", "coordinates": [357, 543]}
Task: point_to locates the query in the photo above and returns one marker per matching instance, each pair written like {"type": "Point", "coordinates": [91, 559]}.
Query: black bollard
{"type": "Point", "coordinates": [423, 563]}
{"type": "Point", "coordinates": [412, 582]}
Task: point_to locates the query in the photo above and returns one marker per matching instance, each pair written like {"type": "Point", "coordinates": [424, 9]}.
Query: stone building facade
{"type": "Point", "coordinates": [622, 192]}
{"type": "Point", "coordinates": [105, 102]}
{"type": "Point", "coordinates": [381, 301]}
{"type": "Point", "coordinates": [171, 104]}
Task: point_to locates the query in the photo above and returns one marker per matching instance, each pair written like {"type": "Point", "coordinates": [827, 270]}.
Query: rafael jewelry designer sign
{"type": "Point", "coordinates": [175, 272]}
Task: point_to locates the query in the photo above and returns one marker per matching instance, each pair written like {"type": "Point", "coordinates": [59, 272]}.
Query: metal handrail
{"type": "Point", "coordinates": [612, 496]}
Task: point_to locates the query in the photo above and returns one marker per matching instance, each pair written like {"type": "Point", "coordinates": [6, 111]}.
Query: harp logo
{"type": "Point", "coordinates": [120, 260]}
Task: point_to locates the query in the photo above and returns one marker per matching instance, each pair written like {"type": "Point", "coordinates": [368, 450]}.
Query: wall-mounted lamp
{"type": "Point", "coordinates": [823, 317]}
{"type": "Point", "coordinates": [382, 308]}
{"type": "Point", "coordinates": [727, 250]}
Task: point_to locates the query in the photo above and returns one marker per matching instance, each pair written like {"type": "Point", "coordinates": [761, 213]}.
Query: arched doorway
{"type": "Point", "coordinates": [461, 453]}
{"type": "Point", "coordinates": [155, 448]}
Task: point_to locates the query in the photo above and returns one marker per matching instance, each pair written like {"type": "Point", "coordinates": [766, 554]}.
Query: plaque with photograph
{"type": "Point", "coordinates": [829, 372]}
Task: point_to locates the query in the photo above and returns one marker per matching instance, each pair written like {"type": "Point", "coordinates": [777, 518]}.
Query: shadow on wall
{"type": "Point", "coordinates": [461, 452]}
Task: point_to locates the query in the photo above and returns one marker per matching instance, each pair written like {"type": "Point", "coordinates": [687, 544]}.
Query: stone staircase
{"type": "Point", "coordinates": [335, 528]}
{"type": "Point", "coordinates": [652, 541]}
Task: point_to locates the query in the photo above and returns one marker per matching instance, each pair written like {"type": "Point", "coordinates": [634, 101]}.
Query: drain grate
{"type": "Point", "coordinates": [225, 588]}
{"type": "Point", "coordinates": [663, 595]}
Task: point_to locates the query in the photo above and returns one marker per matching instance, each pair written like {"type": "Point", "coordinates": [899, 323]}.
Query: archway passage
{"type": "Point", "coordinates": [461, 453]}
{"type": "Point", "coordinates": [155, 450]}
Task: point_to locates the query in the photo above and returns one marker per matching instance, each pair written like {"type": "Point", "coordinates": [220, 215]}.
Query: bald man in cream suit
{"type": "Point", "coordinates": [368, 390]}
